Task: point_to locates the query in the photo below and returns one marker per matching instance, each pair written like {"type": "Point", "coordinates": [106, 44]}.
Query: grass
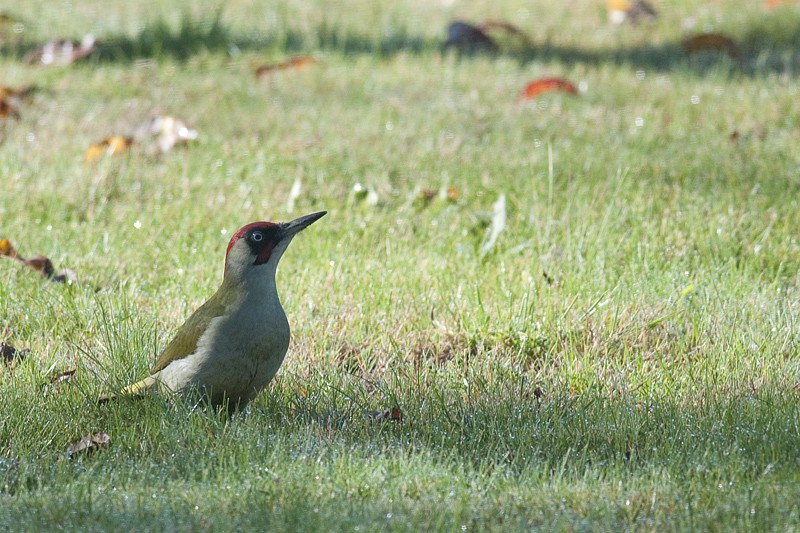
{"type": "Point", "coordinates": [624, 357]}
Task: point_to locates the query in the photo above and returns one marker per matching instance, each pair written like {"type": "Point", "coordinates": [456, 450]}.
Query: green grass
{"type": "Point", "coordinates": [624, 357]}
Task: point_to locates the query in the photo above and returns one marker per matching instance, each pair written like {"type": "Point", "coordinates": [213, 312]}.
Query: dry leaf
{"type": "Point", "coordinates": [428, 194]}
{"type": "Point", "coordinates": [7, 92]}
{"type": "Point", "coordinates": [769, 4]}
{"type": "Point", "coordinates": [88, 444]}
{"type": "Point", "coordinates": [712, 42]}
{"type": "Point", "coordinates": [497, 225]}
{"type": "Point", "coordinates": [621, 10]}
{"type": "Point", "coordinates": [387, 415]}
{"type": "Point", "coordinates": [501, 25]}
{"type": "Point", "coordinates": [466, 37]}
{"type": "Point", "coordinates": [293, 63]}
{"type": "Point", "coordinates": [6, 248]}
{"type": "Point", "coordinates": [543, 85]}
{"type": "Point", "coordinates": [112, 145]}
{"type": "Point", "coordinates": [40, 264]}
{"type": "Point", "coordinates": [8, 110]}
{"type": "Point", "coordinates": [11, 355]}
{"type": "Point", "coordinates": [62, 376]}
{"type": "Point", "coordinates": [61, 52]}
{"type": "Point", "coordinates": [171, 131]}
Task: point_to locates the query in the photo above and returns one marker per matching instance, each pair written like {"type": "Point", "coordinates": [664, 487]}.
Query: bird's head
{"type": "Point", "coordinates": [263, 243]}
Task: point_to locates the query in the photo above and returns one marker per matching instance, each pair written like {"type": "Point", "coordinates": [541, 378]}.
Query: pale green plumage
{"type": "Point", "coordinates": [186, 338]}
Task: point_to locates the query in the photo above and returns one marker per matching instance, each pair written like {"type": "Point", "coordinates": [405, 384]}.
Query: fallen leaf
{"type": "Point", "coordinates": [497, 225]}
{"type": "Point", "coordinates": [501, 25]}
{"type": "Point", "coordinates": [769, 4]}
{"type": "Point", "coordinates": [543, 85]}
{"type": "Point", "coordinates": [293, 63]}
{"type": "Point", "coordinates": [65, 275]}
{"type": "Point", "coordinates": [11, 355]}
{"type": "Point", "coordinates": [62, 376]}
{"type": "Point", "coordinates": [386, 415]}
{"type": "Point", "coordinates": [88, 444]}
{"type": "Point", "coordinates": [620, 11]}
{"type": "Point", "coordinates": [466, 37]}
{"type": "Point", "coordinates": [112, 145]}
{"type": "Point", "coordinates": [8, 110]}
{"type": "Point", "coordinates": [171, 131]}
{"type": "Point", "coordinates": [712, 42]}
{"type": "Point", "coordinates": [16, 92]}
{"type": "Point", "coordinates": [428, 194]}
{"type": "Point", "coordinates": [40, 264]}
{"type": "Point", "coordinates": [6, 248]}
{"type": "Point", "coordinates": [294, 194]}
{"type": "Point", "coordinates": [61, 52]}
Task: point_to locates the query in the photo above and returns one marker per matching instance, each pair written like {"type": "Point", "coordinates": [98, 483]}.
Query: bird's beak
{"type": "Point", "coordinates": [289, 229]}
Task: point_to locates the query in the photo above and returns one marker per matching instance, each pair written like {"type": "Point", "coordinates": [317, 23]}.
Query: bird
{"type": "Point", "coordinates": [231, 347]}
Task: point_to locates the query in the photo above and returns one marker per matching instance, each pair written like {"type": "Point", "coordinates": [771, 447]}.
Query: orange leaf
{"type": "Point", "coordinates": [712, 42]}
{"type": "Point", "coordinates": [113, 145]}
{"type": "Point", "coordinates": [294, 63]}
{"type": "Point", "coordinates": [769, 4]}
{"type": "Point", "coordinates": [543, 85]}
{"type": "Point", "coordinates": [7, 110]}
{"type": "Point", "coordinates": [6, 248]}
{"type": "Point", "coordinates": [394, 415]}
{"type": "Point", "coordinates": [88, 443]}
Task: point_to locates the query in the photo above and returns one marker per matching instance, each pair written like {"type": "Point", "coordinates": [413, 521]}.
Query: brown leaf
{"type": "Point", "coordinates": [112, 145]}
{"type": "Point", "coordinates": [11, 355]}
{"type": "Point", "coordinates": [16, 92]}
{"type": "Point", "coordinates": [712, 42]}
{"type": "Point", "coordinates": [501, 25]}
{"type": "Point", "coordinates": [621, 10]}
{"type": "Point", "coordinates": [40, 264]}
{"type": "Point", "coordinates": [7, 110]}
{"type": "Point", "coordinates": [428, 194]}
{"type": "Point", "coordinates": [88, 444]}
{"type": "Point", "coordinates": [7, 249]}
{"type": "Point", "coordinates": [61, 52]}
{"type": "Point", "coordinates": [170, 131]}
{"type": "Point", "coordinates": [387, 415]}
{"type": "Point", "coordinates": [466, 37]}
{"type": "Point", "coordinates": [65, 275]}
{"type": "Point", "coordinates": [64, 375]}
{"type": "Point", "coordinates": [293, 63]}
{"type": "Point", "coordinates": [540, 86]}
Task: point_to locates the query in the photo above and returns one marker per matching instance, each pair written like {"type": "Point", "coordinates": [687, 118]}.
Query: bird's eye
{"type": "Point", "coordinates": [257, 236]}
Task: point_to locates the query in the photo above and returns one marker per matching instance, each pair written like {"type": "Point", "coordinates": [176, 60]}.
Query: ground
{"type": "Point", "coordinates": [573, 312]}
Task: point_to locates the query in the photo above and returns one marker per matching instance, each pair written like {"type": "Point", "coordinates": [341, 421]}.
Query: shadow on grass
{"type": "Point", "coordinates": [771, 44]}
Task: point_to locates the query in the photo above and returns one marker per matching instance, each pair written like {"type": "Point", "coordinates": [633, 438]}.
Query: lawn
{"type": "Point", "coordinates": [575, 312]}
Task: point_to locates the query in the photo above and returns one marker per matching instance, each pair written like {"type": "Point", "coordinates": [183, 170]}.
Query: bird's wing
{"type": "Point", "coordinates": [185, 340]}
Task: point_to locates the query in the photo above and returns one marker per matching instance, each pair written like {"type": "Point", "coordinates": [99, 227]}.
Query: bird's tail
{"type": "Point", "coordinates": [137, 389]}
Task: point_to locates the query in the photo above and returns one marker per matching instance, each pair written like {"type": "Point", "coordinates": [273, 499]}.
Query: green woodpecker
{"type": "Point", "coordinates": [233, 345]}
